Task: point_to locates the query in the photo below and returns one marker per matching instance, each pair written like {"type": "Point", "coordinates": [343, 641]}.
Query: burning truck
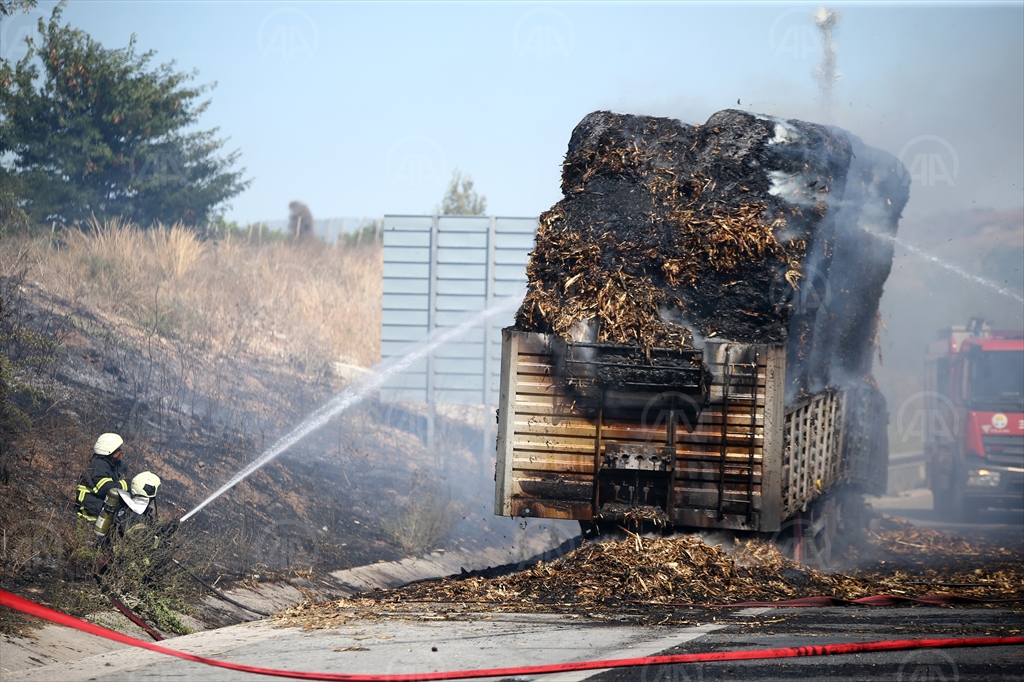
{"type": "Point", "coordinates": [695, 346]}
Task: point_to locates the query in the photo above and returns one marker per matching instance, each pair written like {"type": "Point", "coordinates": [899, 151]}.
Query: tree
{"type": "Point", "coordinates": [9, 7]}
{"type": "Point", "coordinates": [101, 133]}
{"type": "Point", "coordinates": [460, 199]}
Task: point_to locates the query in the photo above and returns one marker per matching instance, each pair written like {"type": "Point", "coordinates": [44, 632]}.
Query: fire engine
{"type": "Point", "coordinates": [973, 421]}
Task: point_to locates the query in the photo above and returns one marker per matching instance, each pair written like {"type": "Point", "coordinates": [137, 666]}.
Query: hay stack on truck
{"type": "Point", "coordinates": [973, 421]}
{"type": "Point", "coordinates": [694, 349]}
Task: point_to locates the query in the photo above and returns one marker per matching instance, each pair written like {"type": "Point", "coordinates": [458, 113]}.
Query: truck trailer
{"type": "Point", "coordinates": [696, 439]}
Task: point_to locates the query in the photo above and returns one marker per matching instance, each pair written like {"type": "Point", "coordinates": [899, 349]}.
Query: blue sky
{"type": "Point", "coordinates": [365, 109]}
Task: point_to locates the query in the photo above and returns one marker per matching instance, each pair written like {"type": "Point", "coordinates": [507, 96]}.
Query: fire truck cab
{"type": "Point", "coordinates": [974, 420]}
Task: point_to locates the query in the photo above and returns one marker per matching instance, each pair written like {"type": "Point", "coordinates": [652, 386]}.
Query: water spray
{"type": "Point", "coordinates": [987, 283]}
{"type": "Point", "coordinates": [354, 395]}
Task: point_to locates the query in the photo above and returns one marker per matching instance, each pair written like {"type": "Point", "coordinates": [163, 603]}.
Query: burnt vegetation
{"type": "Point", "coordinates": [734, 229]}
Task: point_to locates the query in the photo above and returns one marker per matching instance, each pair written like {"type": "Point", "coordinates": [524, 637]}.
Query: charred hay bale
{"type": "Point", "coordinates": [667, 229]}
{"type": "Point", "coordinates": [836, 327]}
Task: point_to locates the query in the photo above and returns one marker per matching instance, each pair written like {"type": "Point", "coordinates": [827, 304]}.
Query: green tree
{"type": "Point", "coordinates": [460, 199]}
{"type": "Point", "coordinates": [101, 133]}
{"type": "Point", "coordinates": [9, 7]}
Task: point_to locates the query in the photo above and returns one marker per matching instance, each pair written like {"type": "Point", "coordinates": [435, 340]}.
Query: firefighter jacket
{"type": "Point", "coordinates": [92, 490]}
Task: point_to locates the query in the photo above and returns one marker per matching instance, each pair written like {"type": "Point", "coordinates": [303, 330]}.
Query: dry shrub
{"type": "Point", "coordinates": [425, 520]}
{"type": "Point", "coordinates": [309, 304]}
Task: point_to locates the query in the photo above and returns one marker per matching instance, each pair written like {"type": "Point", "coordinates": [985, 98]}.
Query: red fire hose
{"type": "Point", "coordinates": [31, 608]}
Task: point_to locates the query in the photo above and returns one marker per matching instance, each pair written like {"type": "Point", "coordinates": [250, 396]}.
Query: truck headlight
{"type": "Point", "coordinates": [982, 477]}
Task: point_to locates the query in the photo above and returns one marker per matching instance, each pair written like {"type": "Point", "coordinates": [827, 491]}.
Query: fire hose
{"type": "Point", "coordinates": [31, 608]}
{"type": "Point", "coordinates": [217, 593]}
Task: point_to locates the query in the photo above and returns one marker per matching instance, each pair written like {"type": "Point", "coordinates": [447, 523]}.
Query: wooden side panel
{"type": "Point", "coordinates": [720, 475]}
{"type": "Point", "coordinates": [811, 457]}
{"type": "Point", "coordinates": [554, 438]}
{"type": "Point", "coordinates": [506, 418]}
{"type": "Point", "coordinates": [551, 442]}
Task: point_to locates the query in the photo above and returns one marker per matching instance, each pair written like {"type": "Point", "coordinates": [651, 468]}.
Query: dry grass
{"type": "Point", "coordinates": [308, 304]}
{"type": "Point", "coordinates": [424, 521]}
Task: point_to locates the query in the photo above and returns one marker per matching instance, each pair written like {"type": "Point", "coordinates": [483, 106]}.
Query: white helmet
{"type": "Point", "coordinates": [107, 444]}
{"type": "Point", "coordinates": [146, 484]}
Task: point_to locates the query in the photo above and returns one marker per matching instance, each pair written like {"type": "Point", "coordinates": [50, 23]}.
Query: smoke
{"type": "Point", "coordinates": [826, 74]}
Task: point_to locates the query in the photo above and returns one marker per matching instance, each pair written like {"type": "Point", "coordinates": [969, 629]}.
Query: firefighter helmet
{"type": "Point", "coordinates": [107, 444]}
{"type": "Point", "coordinates": [146, 484]}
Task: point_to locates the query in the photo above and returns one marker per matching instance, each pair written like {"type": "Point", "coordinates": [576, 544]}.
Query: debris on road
{"type": "Point", "coordinates": [637, 575]}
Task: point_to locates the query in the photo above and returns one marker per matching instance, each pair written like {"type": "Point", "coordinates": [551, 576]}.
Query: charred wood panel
{"type": "Point", "coordinates": [552, 440]}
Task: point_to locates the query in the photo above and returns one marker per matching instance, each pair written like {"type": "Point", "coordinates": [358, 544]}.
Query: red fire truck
{"type": "Point", "coordinates": [973, 420]}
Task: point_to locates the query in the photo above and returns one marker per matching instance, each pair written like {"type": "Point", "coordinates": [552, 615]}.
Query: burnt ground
{"type": "Point", "coordinates": [350, 494]}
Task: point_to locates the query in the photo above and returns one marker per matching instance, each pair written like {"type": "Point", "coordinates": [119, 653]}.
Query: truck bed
{"type": "Point", "coordinates": [588, 453]}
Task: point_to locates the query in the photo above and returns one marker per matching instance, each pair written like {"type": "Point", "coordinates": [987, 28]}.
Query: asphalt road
{"type": "Point", "coordinates": [391, 647]}
{"type": "Point", "coordinates": [798, 627]}
{"type": "Point", "coordinates": [916, 506]}
{"type": "Point", "coordinates": [431, 642]}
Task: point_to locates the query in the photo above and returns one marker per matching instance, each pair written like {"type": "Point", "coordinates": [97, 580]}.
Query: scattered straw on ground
{"type": "Point", "coordinates": [638, 574]}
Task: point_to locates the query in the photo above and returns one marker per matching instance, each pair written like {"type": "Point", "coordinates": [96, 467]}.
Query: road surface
{"type": "Point", "coordinates": [431, 642]}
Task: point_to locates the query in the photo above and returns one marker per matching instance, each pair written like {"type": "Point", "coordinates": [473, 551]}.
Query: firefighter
{"type": "Point", "coordinates": [144, 486]}
{"type": "Point", "coordinates": [108, 471]}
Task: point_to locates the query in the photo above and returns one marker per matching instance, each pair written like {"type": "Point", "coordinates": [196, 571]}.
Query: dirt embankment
{"type": "Point", "coordinates": [199, 388]}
